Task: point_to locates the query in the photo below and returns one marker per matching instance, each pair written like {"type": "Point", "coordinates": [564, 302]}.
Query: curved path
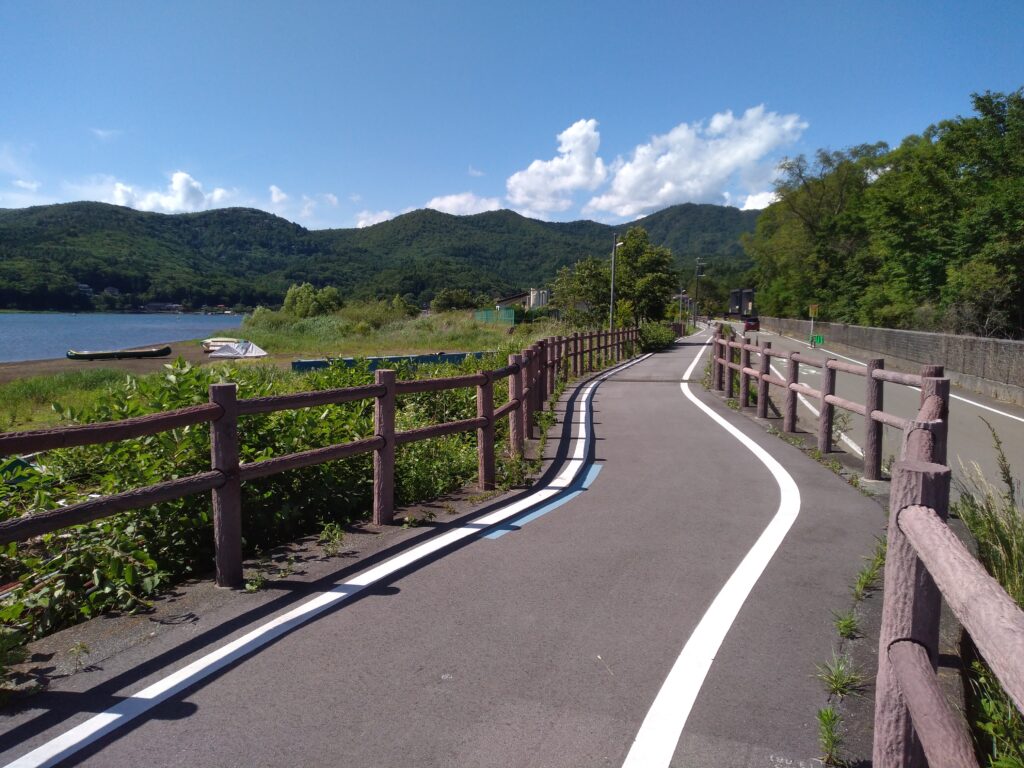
{"type": "Point", "coordinates": [667, 606]}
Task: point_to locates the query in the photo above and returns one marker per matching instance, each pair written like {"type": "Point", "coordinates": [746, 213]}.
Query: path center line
{"type": "Point", "coordinates": [661, 729]}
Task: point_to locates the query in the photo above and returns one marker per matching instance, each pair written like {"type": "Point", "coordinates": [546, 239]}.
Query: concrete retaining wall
{"type": "Point", "coordinates": [993, 367]}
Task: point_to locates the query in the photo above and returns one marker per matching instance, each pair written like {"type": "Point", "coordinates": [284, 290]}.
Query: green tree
{"type": "Point", "coordinates": [644, 277]}
{"type": "Point", "coordinates": [306, 301]}
{"type": "Point", "coordinates": [453, 298]}
{"type": "Point", "coordinates": [581, 292]}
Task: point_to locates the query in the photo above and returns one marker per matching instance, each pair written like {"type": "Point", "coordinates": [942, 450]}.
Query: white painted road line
{"type": "Point", "coordinates": [98, 726]}
{"type": "Point", "coordinates": [659, 734]}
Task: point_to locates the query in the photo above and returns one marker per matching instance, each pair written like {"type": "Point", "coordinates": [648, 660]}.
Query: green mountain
{"type": "Point", "coordinates": [52, 256]}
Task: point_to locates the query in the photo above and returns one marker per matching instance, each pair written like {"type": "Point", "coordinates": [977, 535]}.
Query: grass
{"type": "Point", "coordinates": [867, 578]}
{"type": "Point", "coordinates": [28, 403]}
{"type": "Point", "coordinates": [829, 735]}
{"type": "Point", "coordinates": [846, 624]}
{"type": "Point", "coordinates": [995, 517]}
{"type": "Point", "coordinates": [361, 331]}
{"type": "Point", "coordinates": [839, 676]}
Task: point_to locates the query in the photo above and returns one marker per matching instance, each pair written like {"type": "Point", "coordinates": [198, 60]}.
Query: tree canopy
{"type": "Point", "coordinates": [929, 235]}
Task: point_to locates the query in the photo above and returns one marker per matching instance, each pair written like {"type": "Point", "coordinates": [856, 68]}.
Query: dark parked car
{"type": "Point", "coordinates": [751, 324]}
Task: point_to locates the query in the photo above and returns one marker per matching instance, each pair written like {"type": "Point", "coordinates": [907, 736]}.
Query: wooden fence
{"type": "Point", "coordinates": [925, 562]}
{"type": "Point", "coordinates": [728, 348]}
{"type": "Point", "coordinates": [531, 376]}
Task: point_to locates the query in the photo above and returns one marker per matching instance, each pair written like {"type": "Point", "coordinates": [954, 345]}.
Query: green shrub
{"type": "Point", "coordinates": [655, 336]}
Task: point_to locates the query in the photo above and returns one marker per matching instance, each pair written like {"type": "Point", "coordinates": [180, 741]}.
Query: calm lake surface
{"type": "Point", "coordinates": [45, 335]}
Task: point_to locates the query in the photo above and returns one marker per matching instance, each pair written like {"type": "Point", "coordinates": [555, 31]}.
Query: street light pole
{"type": "Point", "coordinates": [611, 308]}
{"type": "Point", "coordinates": [696, 286]}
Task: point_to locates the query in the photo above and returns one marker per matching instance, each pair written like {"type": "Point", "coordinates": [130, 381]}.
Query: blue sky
{"type": "Point", "coordinates": [339, 114]}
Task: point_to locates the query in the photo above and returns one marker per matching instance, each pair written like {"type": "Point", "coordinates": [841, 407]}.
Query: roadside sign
{"type": "Point", "coordinates": [814, 310]}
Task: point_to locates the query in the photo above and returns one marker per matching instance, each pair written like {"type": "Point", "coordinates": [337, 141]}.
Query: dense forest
{"type": "Point", "coordinates": [51, 257]}
{"type": "Point", "coordinates": [929, 235]}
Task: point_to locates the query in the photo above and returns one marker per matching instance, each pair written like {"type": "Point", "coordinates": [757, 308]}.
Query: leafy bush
{"type": "Point", "coordinates": [655, 336]}
{"type": "Point", "coordinates": [120, 562]}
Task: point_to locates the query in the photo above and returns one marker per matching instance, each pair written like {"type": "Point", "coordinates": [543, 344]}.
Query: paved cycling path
{"type": "Point", "coordinates": [553, 642]}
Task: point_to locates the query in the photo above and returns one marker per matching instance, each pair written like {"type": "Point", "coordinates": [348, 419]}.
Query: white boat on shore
{"type": "Point", "coordinates": [216, 342]}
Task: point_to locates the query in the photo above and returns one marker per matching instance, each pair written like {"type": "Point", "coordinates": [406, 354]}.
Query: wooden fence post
{"type": "Point", "coordinates": [485, 433]}
{"type": "Point", "coordinates": [716, 365]}
{"type": "Point", "coordinates": [515, 417]}
{"type": "Point", "coordinates": [826, 416]}
{"type": "Point", "coordinates": [575, 354]}
{"type": "Point", "coordinates": [227, 500]}
{"type": "Point", "coordinates": [552, 363]}
{"type": "Point", "coordinates": [744, 379]}
{"type": "Point", "coordinates": [542, 374]}
{"type": "Point", "coordinates": [933, 383]}
{"type": "Point", "coordinates": [590, 351]}
{"type": "Point", "coordinates": [730, 387]}
{"type": "Point", "coordinates": [789, 408]}
{"type": "Point", "coordinates": [384, 457]}
{"type": "Point", "coordinates": [910, 610]}
{"type": "Point", "coordinates": [527, 409]}
{"type": "Point", "coordinates": [873, 401]}
{"type": "Point", "coordinates": [763, 371]}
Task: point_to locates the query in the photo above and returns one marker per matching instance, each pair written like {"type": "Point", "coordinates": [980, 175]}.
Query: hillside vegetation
{"type": "Point", "coordinates": [244, 256]}
{"type": "Point", "coordinates": [929, 235]}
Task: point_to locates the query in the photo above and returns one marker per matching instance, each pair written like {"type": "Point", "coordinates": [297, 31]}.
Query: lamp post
{"type": "Point", "coordinates": [611, 308]}
{"type": "Point", "coordinates": [696, 285]}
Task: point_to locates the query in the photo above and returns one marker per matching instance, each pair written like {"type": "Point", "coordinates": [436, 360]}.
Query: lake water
{"type": "Point", "coordinates": [45, 335]}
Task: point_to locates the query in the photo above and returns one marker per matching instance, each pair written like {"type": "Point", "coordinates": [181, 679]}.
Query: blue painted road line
{"type": "Point", "coordinates": [571, 493]}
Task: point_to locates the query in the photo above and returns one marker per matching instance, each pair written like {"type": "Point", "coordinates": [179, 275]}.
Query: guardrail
{"type": "Point", "coordinates": [531, 375]}
{"type": "Point", "coordinates": [914, 724]}
{"type": "Point", "coordinates": [727, 348]}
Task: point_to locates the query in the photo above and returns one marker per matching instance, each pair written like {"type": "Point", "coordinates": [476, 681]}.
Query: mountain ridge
{"type": "Point", "coordinates": [249, 256]}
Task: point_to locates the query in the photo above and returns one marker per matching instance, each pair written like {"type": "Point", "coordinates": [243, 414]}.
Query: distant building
{"type": "Point", "coordinates": [535, 298]}
{"type": "Point", "coordinates": [85, 288]}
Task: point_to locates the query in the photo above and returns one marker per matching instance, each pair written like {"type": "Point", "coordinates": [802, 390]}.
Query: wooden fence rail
{"type": "Point", "coordinates": [871, 410]}
{"type": "Point", "coordinates": [532, 376]}
{"type": "Point", "coordinates": [914, 724]}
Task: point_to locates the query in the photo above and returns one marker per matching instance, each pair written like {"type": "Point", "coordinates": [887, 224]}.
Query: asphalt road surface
{"type": "Point", "coordinates": [665, 603]}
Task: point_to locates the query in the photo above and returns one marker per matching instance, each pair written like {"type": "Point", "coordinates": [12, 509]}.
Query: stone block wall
{"type": "Point", "coordinates": [993, 367]}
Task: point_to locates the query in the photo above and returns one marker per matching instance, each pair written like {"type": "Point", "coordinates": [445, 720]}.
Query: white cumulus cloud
{"type": "Point", "coordinates": [464, 203]}
{"type": "Point", "coordinates": [758, 200]}
{"type": "Point", "coordinates": [332, 199]}
{"type": "Point", "coordinates": [475, 172]}
{"type": "Point", "coordinates": [277, 195]}
{"type": "Point", "coordinates": [696, 162]}
{"type": "Point", "coordinates": [183, 194]}
{"type": "Point", "coordinates": [369, 218]}
{"type": "Point", "coordinates": [31, 186]}
{"type": "Point", "coordinates": [548, 185]}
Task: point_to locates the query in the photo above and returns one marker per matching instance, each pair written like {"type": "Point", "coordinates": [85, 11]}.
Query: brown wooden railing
{"type": "Point", "coordinates": [914, 724]}
{"type": "Point", "coordinates": [727, 348]}
{"type": "Point", "coordinates": [532, 376]}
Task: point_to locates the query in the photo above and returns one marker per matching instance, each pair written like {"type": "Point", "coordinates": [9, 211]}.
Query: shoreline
{"type": "Point", "coordinates": [189, 349]}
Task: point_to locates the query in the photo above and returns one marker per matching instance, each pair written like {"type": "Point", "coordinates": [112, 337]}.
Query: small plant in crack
{"type": "Point", "coordinates": [839, 676]}
{"type": "Point", "coordinates": [846, 624]}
